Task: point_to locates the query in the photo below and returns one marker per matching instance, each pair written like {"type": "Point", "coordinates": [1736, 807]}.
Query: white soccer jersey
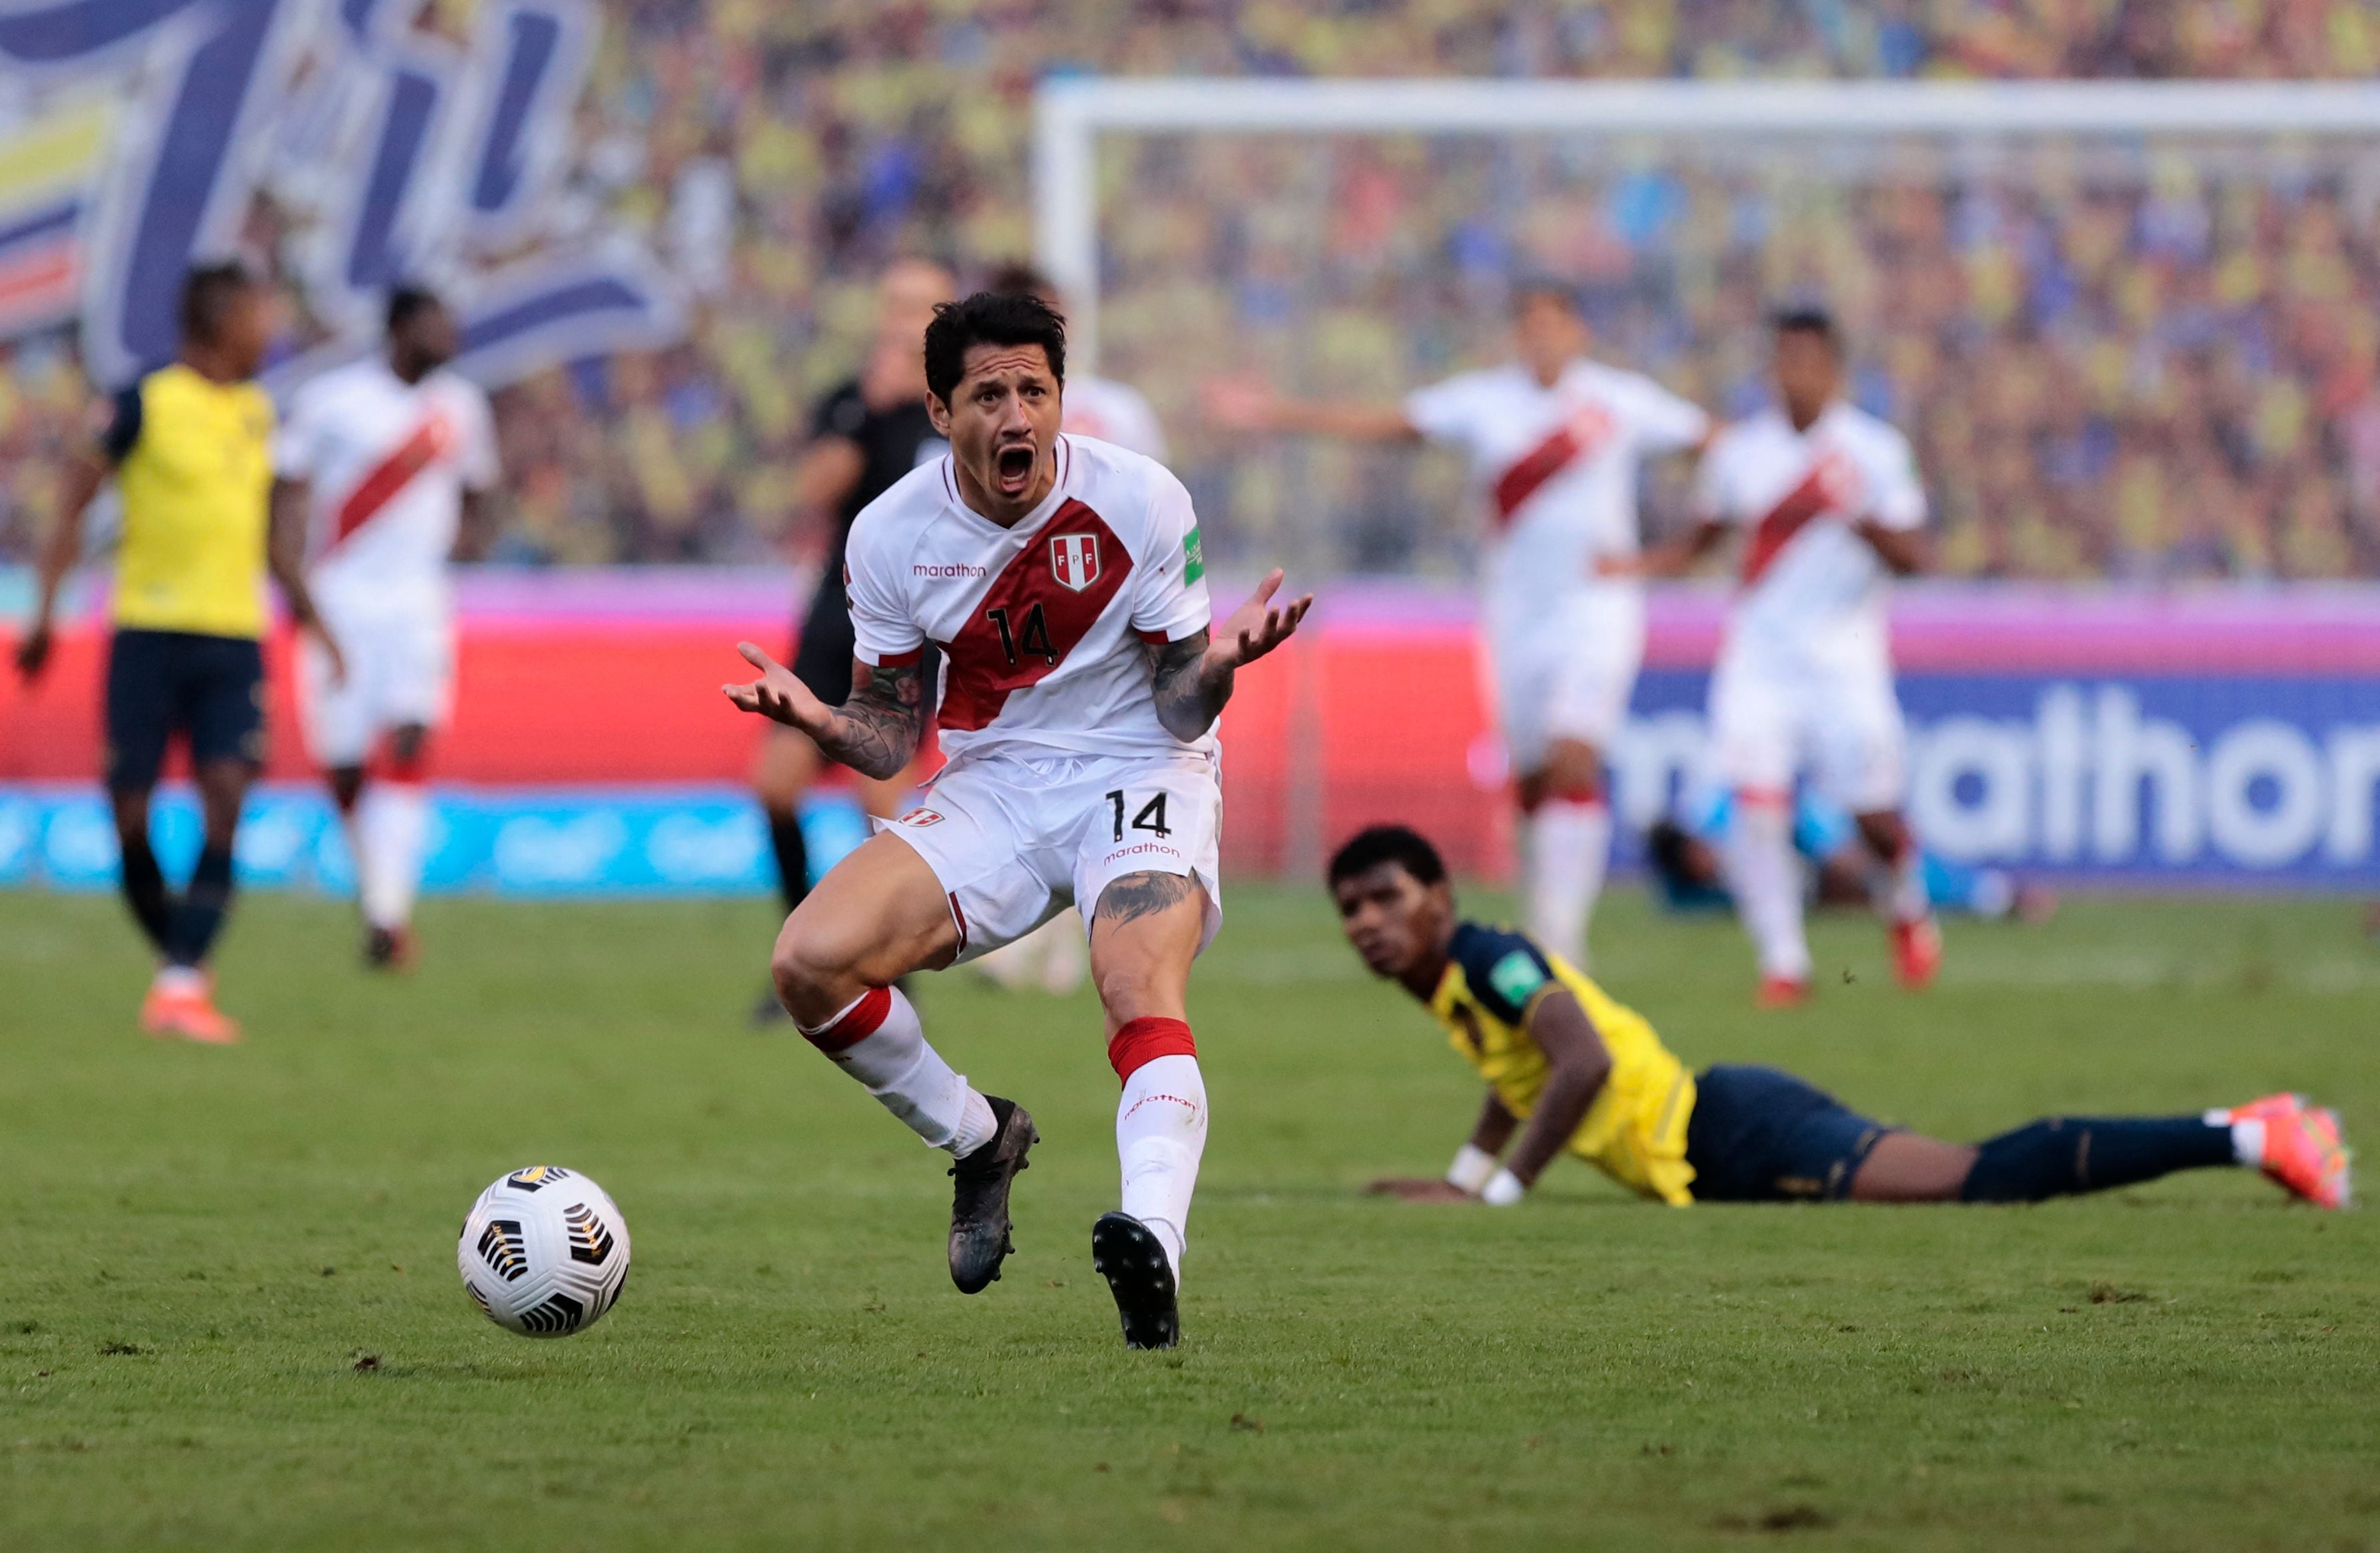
{"type": "Point", "coordinates": [1556, 467]}
{"type": "Point", "coordinates": [1113, 412]}
{"type": "Point", "coordinates": [1812, 587]}
{"type": "Point", "coordinates": [1040, 625]}
{"type": "Point", "coordinates": [388, 463]}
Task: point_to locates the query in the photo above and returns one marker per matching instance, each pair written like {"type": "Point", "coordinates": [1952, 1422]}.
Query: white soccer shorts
{"type": "Point", "coordinates": [1566, 673]}
{"type": "Point", "coordinates": [1843, 722]}
{"type": "Point", "coordinates": [400, 671]}
{"type": "Point", "coordinates": [1016, 839]}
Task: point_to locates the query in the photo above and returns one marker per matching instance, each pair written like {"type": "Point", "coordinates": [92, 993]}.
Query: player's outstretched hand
{"type": "Point", "coordinates": [777, 693]}
{"type": "Point", "coordinates": [33, 652]}
{"type": "Point", "coordinates": [1419, 1189]}
{"type": "Point", "coordinates": [1257, 626]}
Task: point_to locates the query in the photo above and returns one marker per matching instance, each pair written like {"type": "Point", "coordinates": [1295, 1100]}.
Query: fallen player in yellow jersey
{"type": "Point", "coordinates": [1568, 1068]}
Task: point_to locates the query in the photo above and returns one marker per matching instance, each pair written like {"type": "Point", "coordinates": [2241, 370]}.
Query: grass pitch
{"type": "Point", "coordinates": [229, 1316]}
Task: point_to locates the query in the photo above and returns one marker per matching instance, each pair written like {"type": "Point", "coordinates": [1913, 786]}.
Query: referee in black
{"type": "Point", "coordinates": [866, 435]}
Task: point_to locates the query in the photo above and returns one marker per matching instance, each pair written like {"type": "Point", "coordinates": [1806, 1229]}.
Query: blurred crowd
{"type": "Point", "coordinates": [2140, 361]}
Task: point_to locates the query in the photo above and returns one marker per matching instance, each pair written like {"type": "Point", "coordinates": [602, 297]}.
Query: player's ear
{"type": "Point", "coordinates": [939, 413]}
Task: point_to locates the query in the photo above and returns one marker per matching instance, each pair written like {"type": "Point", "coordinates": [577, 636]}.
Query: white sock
{"type": "Point", "coordinates": [878, 1040]}
{"type": "Point", "coordinates": [1570, 842]}
{"type": "Point", "coordinates": [1767, 885]}
{"type": "Point", "coordinates": [1898, 889]}
{"type": "Point", "coordinates": [2247, 1138]}
{"type": "Point", "coordinates": [392, 824]}
{"type": "Point", "coordinates": [1161, 1132]}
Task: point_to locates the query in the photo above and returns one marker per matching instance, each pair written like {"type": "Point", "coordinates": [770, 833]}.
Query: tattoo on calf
{"type": "Point", "coordinates": [1137, 895]}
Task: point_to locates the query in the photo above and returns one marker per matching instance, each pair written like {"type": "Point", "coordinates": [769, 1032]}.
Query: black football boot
{"type": "Point", "coordinates": [979, 1236]}
{"type": "Point", "coordinates": [1126, 1251]}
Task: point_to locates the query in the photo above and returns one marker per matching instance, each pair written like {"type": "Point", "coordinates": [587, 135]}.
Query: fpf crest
{"type": "Point", "coordinates": [1074, 560]}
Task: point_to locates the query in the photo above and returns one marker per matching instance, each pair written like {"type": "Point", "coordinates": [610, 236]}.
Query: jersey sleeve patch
{"type": "Point", "coordinates": [1503, 969]}
{"type": "Point", "coordinates": [1194, 556]}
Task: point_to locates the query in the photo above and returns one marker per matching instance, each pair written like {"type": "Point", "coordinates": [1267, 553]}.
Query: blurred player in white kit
{"type": "Point", "coordinates": [1053, 957]}
{"type": "Point", "coordinates": [1554, 441]}
{"type": "Point", "coordinates": [392, 461]}
{"type": "Point", "coordinates": [1829, 502]}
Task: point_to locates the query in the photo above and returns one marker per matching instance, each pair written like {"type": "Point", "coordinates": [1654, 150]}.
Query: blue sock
{"type": "Point", "coordinates": [200, 916]}
{"type": "Point", "coordinates": [2066, 1154]}
{"type": "Point", "coordinates": [144, 891]}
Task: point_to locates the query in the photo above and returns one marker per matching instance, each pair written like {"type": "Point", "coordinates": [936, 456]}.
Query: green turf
{"type": "Point", "coordinates": [198, 1247]}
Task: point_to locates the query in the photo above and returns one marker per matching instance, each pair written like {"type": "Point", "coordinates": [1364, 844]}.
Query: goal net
{"type": "Point", "coordinates": [2129, 328]}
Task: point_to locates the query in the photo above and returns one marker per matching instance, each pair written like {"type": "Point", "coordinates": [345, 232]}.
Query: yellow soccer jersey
{"type": "Point", "coordinates": [194, 465]}
{"type": "Point", "coordinates": [1635, 1130]}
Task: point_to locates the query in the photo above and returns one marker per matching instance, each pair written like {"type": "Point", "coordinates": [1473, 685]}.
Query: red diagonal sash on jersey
{"type": "Point", "coordinates": [1821, 489]}
{"type": "Point", "coordinates": [1523, 477]}
{"type": "Point", "coordinates": [1038, 609]}
{"type": "Point", "coordinates": [383, 480]}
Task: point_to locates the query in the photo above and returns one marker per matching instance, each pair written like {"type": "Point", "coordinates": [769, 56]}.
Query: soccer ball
{"type": "Point", "coordinates": [544, 1252]}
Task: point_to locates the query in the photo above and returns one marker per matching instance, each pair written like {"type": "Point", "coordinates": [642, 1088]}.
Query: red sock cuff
{"type": "Point", "coordinates": [1142, 1041]}
{"type": "Point", "coordinates": [855, 1024]}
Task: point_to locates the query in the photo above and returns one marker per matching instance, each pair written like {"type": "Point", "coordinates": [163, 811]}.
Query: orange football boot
{"type": "Point", "coordinates": [2304, 1151]}
{"type": "Point", "coordinates": [179, 1008]}
{"type": "Point", "coordinates": [1781, 991]}
{"type": "Point", "coordinates": [1916, 953]}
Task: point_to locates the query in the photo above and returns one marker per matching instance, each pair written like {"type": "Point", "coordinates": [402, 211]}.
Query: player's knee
{"type": "Point", "coordinates": [817, 965]}
{"type": "Point", "coordinates": [409, 753]}
{"type": "Point", "coordinates": [346, 785]}
{"type": "Point", "coordinates": [1573, 773]}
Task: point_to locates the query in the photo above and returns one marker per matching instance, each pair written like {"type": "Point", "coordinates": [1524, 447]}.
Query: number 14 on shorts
{"type": "Point", "coordinates": [1150, 816]}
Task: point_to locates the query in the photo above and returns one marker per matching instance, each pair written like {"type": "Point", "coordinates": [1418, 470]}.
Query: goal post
{"type": "Point", "coordinates": [1072, 113]}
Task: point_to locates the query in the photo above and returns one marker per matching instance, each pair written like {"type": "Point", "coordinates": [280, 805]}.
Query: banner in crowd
{"type": "Point", "coordinates": [2228, 738]}
{"type": "Point", "coordinates": [139, 135]}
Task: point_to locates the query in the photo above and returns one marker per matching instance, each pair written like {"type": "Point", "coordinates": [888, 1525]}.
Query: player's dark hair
{"type": "Point", "coordinates": [989, 317]}
{"type": "Point", "coordinates": [1375, 845]}
{"type": "Point", "coordinates": [1016, 278]}
{"type": "Point", "coordinates": [1808, 321]}
{"type": "Point", "coordinates": [405, 301]}
{"type": "Point", "coordinates": [1529, 289]}
{"type": "Point", "coordinates": [209, 293]}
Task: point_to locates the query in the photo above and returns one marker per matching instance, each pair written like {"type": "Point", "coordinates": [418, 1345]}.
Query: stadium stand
{"type": "Point", "coordinates": [2162, 402]}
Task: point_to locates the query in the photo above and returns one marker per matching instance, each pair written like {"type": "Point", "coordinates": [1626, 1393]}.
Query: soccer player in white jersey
{"type": "Point", "coordinates": [1051, 956]}
{"type": "Point", "coordinates": [1062, 580]}
{"type": "Point", "coordinates": [1554, 441]}
{"type": "Point", "coordinates": [392, 461]}
{"type": "Point", "coordinates": [1828, 500]}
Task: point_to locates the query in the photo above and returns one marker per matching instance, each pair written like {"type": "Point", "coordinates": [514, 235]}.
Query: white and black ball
{"type": "Point", "coordinates": [544, 1252]}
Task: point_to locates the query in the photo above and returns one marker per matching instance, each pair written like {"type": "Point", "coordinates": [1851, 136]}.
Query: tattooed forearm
{"type": "Point", "coordinates": [1136, 895]}
{"type": "Point", "coordinates": [1189, 695]}
{"type": "Point", "coordinates": [876, 732]}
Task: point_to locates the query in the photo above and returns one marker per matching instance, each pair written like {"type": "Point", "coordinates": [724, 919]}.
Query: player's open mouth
{"type": "Point", "coordinates": [1015, 467]}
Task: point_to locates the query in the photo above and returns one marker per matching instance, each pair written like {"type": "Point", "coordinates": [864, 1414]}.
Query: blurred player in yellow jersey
{"type": "Point", "coordinates": [189, 448]}
{"type": "Point", "coordinates": [1569, 1069]}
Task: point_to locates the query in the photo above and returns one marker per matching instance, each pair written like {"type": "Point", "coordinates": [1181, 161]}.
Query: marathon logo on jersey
{"type": "Point", "coordinates": [1074, 560]}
